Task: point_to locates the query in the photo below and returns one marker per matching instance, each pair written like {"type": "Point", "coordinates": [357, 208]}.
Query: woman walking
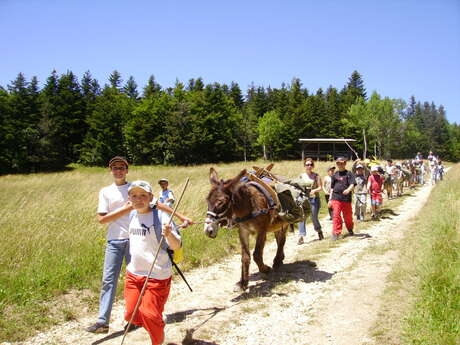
{"type": "Point", "coordinates": [313, 185]}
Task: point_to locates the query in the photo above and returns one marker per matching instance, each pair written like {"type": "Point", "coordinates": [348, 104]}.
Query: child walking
{"type": "Point", "coordinates": [145, 230]}
{"type": "Point", "coordinates": [375, 188]}
{"type": "Point", "coordinates": [360, 193]}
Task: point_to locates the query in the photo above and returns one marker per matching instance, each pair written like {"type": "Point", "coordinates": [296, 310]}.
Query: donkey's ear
{"type": "Point", "coordinates": [213, 177]}
{"type": "Point", "coordinates": [234, 181]}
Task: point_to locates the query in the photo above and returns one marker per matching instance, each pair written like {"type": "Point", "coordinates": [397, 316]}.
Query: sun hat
{"type": "Point", "coordinates": [142, 185]}
{"type": "Point", "coordinates": [118, 159]}
{"type": "Point", "coordinates": [163, 180]}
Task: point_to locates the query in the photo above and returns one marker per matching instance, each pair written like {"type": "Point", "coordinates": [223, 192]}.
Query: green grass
{"type": "Point", "coordinates": [421, 304]}
{"type": "Point", "coordinates": [51, 243]}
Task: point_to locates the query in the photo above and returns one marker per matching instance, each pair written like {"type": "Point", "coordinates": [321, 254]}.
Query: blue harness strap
{"type": "Point", "coordinates": [270, 201]}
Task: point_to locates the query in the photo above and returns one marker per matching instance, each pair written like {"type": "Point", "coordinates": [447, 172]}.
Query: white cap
{"type": "Point", "coordinates": [140, 184]}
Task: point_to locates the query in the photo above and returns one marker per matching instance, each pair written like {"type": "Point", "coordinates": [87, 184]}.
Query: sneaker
{"type": "Point", "coordinates": [334, 237]}
{"type": "Point", "coordinates": [132, 327]}
{"type": "Point", "coordinates": [300, 241]}
{"type": "Point", "coordinates": [98, 328]}
{"type": "Point", "coordinates": [320, 235]}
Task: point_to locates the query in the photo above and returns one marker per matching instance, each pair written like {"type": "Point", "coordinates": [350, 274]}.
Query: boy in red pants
{"type": "Point", "coordinates": [145, 230]}
{"type": "Point", "coordinates": [342, 184]}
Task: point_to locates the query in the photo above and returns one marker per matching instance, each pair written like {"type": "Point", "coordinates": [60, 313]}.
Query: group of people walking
{"type": "Point", "coordinates": [136, 222]}
{"type": "Point", "coordinates": [338, 185]}
{"type": "Point", "coordinates": [366, 178]}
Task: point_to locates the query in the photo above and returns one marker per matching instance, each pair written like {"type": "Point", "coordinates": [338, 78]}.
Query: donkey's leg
{"type": "Point", "coordinates": [280, 241]}
{"type": "Point", "coordinates": [259, 251]}
{"type": "Point", "coordinates": [242, 285]}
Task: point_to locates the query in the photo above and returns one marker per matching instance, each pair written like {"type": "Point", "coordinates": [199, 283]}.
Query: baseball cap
{"type": "Point", "coordinates": [375, 168]}
{"type": "Point", "coordinates": [359, 166]}
{"type": "Point", "coordinates": [140, 184]}
{"type": "Point", "coordinates": [163, 180]}
{"type": "Point", "coordinates": [118, 159]}
{"type": "Point", "coordinates": [340, 159]}
{"type": "Point", "coordinates": [331, 168]}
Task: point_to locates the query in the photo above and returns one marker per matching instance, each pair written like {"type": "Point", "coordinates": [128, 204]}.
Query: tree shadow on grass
{"type": "Point", "coordinates": [304, 271]}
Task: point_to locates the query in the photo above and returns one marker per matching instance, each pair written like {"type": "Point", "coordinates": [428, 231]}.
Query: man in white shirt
{"type": "Point", "coordinates": [113, 209]}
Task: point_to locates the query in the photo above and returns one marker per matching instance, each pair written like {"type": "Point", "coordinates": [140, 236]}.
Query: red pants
{"type": "Point", "coordinates": [339, 208]}
{"type": "Point", "coordinates": [150, 312]}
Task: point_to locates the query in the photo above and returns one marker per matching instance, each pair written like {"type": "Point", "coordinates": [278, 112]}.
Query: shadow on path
{"type": "Point", "coordinates": [109, 337]}
{"type": "Point", "coordinates": [305, 271]}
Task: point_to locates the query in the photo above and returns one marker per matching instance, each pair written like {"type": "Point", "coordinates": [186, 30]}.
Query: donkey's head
{"type": "Point", "coordinates": [219, 202]}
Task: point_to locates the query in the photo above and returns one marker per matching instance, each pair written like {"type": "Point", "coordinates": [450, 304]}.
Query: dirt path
{"type": "Point", "coordinates": [334, 303]}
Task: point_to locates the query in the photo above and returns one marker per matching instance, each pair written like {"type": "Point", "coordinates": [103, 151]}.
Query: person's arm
{"type": "Point", "coordinates": [319, 184]}
{"type": "Point", "coordinates": [352, 183]}
{"type": "Point", "coordinates": [162, 207]}
{"type": "Point", "coordinates": [104, 218]}
{"type": "Point", "coordinates": [369, 185]}
{"type": "Point", "coordinates": [173, 241]}
{"type": "Point", "coordinates": [324, 185]}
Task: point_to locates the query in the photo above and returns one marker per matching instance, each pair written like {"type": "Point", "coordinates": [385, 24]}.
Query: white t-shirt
{"type": "Point", "coordinates": [143, 245]}
{"type": "Point", "coordinates": [390, 169]}
{"type": "Point", "coordinates": [112, 198]}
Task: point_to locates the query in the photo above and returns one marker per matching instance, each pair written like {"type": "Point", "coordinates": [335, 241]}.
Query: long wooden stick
{"type": "Point", "coordinates": [153, 264]}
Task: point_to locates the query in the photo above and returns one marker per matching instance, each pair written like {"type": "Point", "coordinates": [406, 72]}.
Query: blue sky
{"type": "Point", "coordinates": [401, 48]}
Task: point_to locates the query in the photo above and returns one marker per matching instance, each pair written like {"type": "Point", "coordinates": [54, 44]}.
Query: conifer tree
{"type": "Point", "coordinates": [152, 89]}
{"type": "Point", "coordinates": [115, 80]}
{"type": "Point", "coordinates": [130, 88]}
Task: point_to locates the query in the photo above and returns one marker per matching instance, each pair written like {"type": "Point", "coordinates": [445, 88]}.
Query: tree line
{"type": "Point", "coordinates": [78, 121]}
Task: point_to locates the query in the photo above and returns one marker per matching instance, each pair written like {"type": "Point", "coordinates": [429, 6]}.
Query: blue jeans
{"type": "Point", "coordinates": [315, 204]}
{"type": "Point", "coordinates": [115, 251]}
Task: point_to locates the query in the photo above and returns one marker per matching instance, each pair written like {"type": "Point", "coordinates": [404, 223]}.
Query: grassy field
{"type": "Point", "coordinates": [52, 245]}
{"type": "Point", "coordinates": [421, 304]}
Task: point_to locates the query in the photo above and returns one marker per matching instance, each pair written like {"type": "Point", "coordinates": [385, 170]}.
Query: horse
{"type": "Point", "coordinates": [245, 205]}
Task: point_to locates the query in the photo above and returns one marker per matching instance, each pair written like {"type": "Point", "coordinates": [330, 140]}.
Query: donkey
{"type": "Point", "coordinates": [245, 205]}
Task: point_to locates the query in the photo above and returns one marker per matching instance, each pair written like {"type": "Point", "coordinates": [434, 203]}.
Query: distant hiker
{"type": "Point", "coordinates": [440, 170]}
{"type": "Point", "coordinates": [418, 156]}
{"type": "Point", "coordinates": [166, 195]}
{"type": "Point", "coordinates": [327, 188]}
{"type": "Point", "coordinates": [433, 164]}
{"type": "Point", "coordinates": [145, 230]}
{"type": "Point", "coordinates": [113, 209]}
{"type": "Point", "coordinates": [342, 184]}
{"type": "Point", "coordinates": [430, 156]}
{"type": "Point", "coordinates": [375, 188]}
{"type": "Point", "coordinates": [360, 193]}
{"type": "Point", "coordinates": [312, 181]}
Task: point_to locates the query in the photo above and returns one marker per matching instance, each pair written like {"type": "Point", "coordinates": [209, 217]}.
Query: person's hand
{"type": "Point", "coordinates": [312, 194]}
{"type": "Point", "coordinates": [186, 222]}
{"type": "Point", "coordinates": [346, 192]}
{"type": "Point", "coordinates": [329, 204]}
{"type": "Point", "coordinates": [166, 231]}
{"type": "Point", "coordinates": [128, 205]}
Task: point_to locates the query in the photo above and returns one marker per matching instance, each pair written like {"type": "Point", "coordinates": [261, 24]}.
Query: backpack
{"type": "Point", "coordinates": [176, 256]}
